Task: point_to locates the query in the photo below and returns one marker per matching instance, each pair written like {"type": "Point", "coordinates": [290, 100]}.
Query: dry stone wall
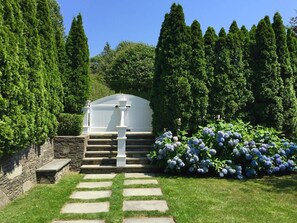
{"type": "Point", "coordinates": [18, 172]}
{"type": "Point", "coordinates": [71, 147]}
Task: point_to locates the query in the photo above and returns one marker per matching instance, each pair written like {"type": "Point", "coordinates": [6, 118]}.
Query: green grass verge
{"type": "Point", "coordinates": [41, 204]}
{"type": "Point", "coordinates": [269, 199]}
{"type": "Point", "coordinates": [190, 200]}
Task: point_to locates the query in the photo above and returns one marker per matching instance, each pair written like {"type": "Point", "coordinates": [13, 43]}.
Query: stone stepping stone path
{"type": "Point", "coordinates": [85, 208]}
{"type": "Point", "coordinates": [89, 195]}
{"type": "Point", "coordinates": [139, 175]}
{"type": "Point", "coordinates": [99, 176]}
{"type": "Point", "coordinates": [81, 221]}
{"type": "Point", "coordinates": [140, 182]}
{"type": "Point", "coordinates": [142, 192]}
{"type": "Point", "coordinates": [148, 220]}
{"type": "Point", "coordinates": [144, 205]}
{"type": "Point", "coordinates": [90, 185]}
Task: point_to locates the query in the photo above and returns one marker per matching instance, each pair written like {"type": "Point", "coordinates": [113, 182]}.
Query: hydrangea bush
{"type": "Point", "coordinates": [236, 150]}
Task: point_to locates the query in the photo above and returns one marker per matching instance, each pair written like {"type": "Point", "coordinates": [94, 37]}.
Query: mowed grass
{"type": "Point", "coordinates": [42, 203]}
{"type": "Point", "coordinates": [269, 199]}
{"type": "Point", "coordinates": [190, 200]}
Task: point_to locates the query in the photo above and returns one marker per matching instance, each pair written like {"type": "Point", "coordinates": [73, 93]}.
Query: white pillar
{"type": "Point", "coordinates": [121, 157]}
{"type": "Point", "coordinates": [86, 121]}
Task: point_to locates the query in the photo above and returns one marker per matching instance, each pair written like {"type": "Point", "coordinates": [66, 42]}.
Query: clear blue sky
{"type": "Point", "coordinates": [114, 21]}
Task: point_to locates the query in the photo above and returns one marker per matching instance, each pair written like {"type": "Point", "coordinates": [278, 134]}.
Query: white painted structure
{"type": "Point", "coordinates": [118, 113]}
{"type": "Point", "coordinates": [103, 115]}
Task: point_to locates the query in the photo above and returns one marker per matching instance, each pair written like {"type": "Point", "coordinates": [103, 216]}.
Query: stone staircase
{"type": "Point", "coordinates": [100, 154]}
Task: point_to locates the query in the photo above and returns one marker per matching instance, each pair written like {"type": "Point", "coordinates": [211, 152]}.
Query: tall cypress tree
{"type": "Point", "coordinates": [267, 109]}
{"type": "Point", "coordinates": [77, 84]}
{"type": "Point", "coordinates": [198, 78]}
{"type": "Point", "coordinates": [240, 95]}
{"type": "Point", "coordinates": [14, 127]}
{"type": "Point", "coordinates": [172, 98]}
{"type": "Point", "coordinates": [248, 44]}
{"type": "Point", "coordinates": [49, 56]}
{"type": "Point", "coordinates": [292, 47]}
{"type": "Point", "coordinates": [38, 107]}
{"type": "Point", "coordinates": [221, 85]}
{"type": "Point", "coordinates": [57, 22]}
{"type": "Point", "coordinates": [288, 94]}
{"type": "Point", "coordinates": [210, 39]}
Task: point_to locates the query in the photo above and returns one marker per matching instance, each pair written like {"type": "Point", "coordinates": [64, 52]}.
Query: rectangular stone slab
{"type": "Point", "coordinates": [88, 195]}
{"type": "Point", "coordinates": [85, 208]}
{"type": "Point", "coordinates": [80, 221]}
{"type": "Point", "coordinates": [144, 205]}
{"type": "Point", "coordinates": [140, 182]}
{"type": "Point", "coordinates": [142, 192]}
{"type": "Point", "coordinates": [99, 176]}
{"type": "Point", "coordinates": [139, 175]}
{"type": "Point", "coordinates": [148, 220]}
{"type": "Point", "coordinates": [94, 184]}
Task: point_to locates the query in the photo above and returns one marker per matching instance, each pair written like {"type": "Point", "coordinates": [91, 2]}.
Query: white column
{"type": "Point", "coordinates": [86, 121]}
{"type": "Point", "coordinates": [121, 157]}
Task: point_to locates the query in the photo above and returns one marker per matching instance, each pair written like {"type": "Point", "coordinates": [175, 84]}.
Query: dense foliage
{"type": "Point", "coordinates": [33, 62]}
{"type": "Point", "coordinates": [171, 99]}
{"type": "Point", "coordinates": [128, 68]}
{"type": "Point", "coordinates": [132, 70]}
{"type": "Point", "coordinates": [236, 150]}
{"type": "Point", "coordinates": [246, 74]}
{"type": "Point", "coordinates": [70, 124]}
{"type": "Point", "coordinates": [77, 80]}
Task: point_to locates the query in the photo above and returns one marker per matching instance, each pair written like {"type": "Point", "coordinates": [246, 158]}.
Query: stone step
{"type": "Point", "coordinates": [114, 147]}
{"type": "Point", "coordinates": [132, 168]}
{"type": "Point", "coordinates": [103, 136]}
{"type": "Point", "coordinates": [102, 147]}
{"type": "Point", "coordinates": [112, 160]}
{"type": "Point", "coordinates": [134, 135]}
{"type": "Point", "coordinates": [109, 154]}
{"type": "Point", "coordinates": [114, 141]}
{"type": "Point", "coordinates": [99, 161]}
{"type": "Point", "coordinates": [102, 142]}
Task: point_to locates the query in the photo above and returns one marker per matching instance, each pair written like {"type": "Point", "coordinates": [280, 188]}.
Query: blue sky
{"type": "Point", "coordinates": [114, 21]}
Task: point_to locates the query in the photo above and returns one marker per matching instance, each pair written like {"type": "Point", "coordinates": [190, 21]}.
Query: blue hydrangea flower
{"type": "Point", "coordinates": [212, 152]}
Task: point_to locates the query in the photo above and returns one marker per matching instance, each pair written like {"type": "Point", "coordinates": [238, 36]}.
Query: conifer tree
{"type": "Point", "coordinates": [210, 39]}
{"type": "Point", "coordinates": [49, 56]}
{"type": "Point", "coordinates": [292, 47]}
{"type": "Point", "coordinates": [38, 107]}
{"type": "Point", "coordinates": [221, 85]}
{"type": "Point", "coordinates": [14, 99]}
{"type": "Point", "coordinates": [77, 80]}
{"type": "Point", "coordinates": [57, 22]}
{"type": "Point", "coordinates": [267, 109]}
{"type": "Point", "coordinates": [172, 100]}
{"type": "Point", "coordinates": [287, 93]}
{"type": "Point", "coordinates": [240, 95]}
{"type": "Point", "coordinates": [198, 78]}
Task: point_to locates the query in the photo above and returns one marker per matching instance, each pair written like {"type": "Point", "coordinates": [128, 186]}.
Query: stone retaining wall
{"type": "Point", "coordinates": [71, 147]}
{"type": "Point", "coordinates": [18, 172]}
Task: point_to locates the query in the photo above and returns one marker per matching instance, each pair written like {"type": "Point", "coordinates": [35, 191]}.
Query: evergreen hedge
{"type": "Point", "coordinates": [70, 124]}
{"type": "Point", "coordinates": [30, 85]}
{"type": "Point", "coordinates": [247, 74]}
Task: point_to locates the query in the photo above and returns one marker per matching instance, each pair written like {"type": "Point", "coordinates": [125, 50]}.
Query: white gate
{"type": "Point", "coordinates": [104, 115]}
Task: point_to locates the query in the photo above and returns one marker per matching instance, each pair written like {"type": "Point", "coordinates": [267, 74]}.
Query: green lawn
{"type": "Point", "coordinates": [269, 199]}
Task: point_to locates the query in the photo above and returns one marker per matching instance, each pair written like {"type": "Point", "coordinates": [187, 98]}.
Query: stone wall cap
{"type": "Point", "coordinates": [54, 166]}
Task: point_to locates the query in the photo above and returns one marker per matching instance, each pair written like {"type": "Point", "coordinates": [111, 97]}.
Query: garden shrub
{"type": "Point", "coordinates": [236, 150]}
{"type": "Point", "coordinates": [70, 124]}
